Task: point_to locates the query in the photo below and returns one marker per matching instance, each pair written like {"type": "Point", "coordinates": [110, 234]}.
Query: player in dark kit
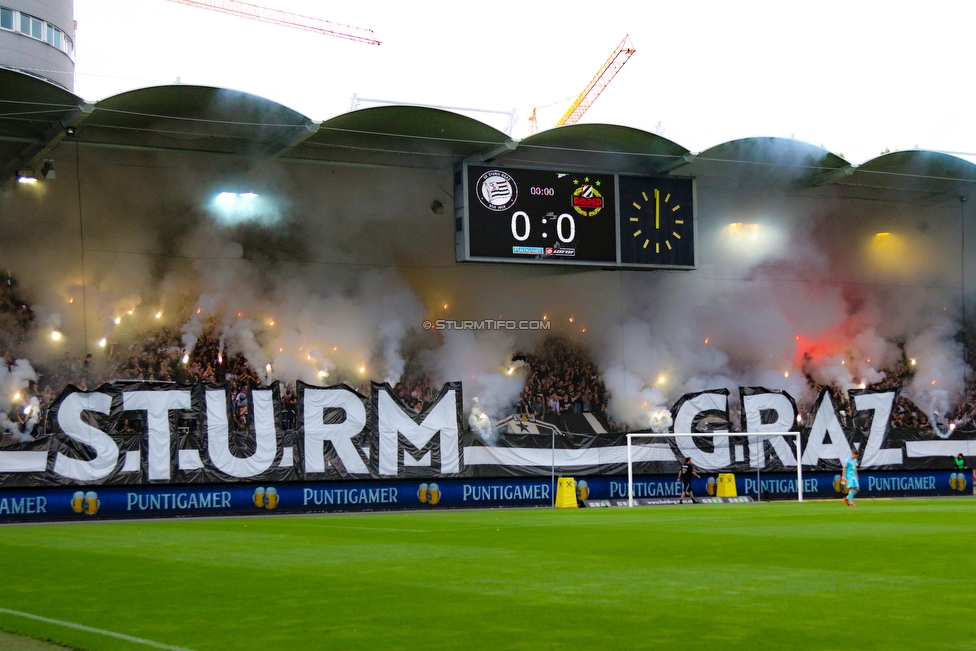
{"type": "Point", "coordinates": [685, 474]}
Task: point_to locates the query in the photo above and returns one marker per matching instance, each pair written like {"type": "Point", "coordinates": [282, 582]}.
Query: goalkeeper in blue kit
{"type": "Point", "coordinates": [850, 478]}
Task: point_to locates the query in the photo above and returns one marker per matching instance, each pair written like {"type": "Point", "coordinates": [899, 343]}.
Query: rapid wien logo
{"type": "Point", "coordinates": [587, 200]}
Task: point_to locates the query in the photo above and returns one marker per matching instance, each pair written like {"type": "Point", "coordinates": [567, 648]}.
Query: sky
{"type": "Point", "coordinates": [856, 77]}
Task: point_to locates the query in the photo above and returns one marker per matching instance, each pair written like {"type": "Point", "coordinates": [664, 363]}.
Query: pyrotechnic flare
{"type": "Point", "coordinates": [481, 423]}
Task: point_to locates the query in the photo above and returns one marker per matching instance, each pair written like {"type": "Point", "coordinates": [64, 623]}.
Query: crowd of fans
{"type": "Point", "coordinates": [416, 390]}
{"type": "Point", "coordinates": [560, 378]}
{"type": "Point", "coordinates": [904, 414]}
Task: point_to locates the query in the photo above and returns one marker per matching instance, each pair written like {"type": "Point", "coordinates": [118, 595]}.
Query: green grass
{"type": "Point", "coordinates": [819, 575]}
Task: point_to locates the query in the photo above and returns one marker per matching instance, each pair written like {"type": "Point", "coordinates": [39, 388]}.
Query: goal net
{"type": "Point", "coordinates": [640, 443]}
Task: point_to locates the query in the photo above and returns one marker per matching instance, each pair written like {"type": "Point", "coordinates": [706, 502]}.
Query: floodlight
{"type": "Point", "coordinates": [26, 175]}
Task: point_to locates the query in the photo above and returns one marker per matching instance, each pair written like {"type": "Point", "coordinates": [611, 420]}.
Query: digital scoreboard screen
{"type": "Point", "coordinates": [573, 218]}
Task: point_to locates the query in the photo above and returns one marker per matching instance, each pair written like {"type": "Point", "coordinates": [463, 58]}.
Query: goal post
{"type": "Point", "coordinates": [752, 435]}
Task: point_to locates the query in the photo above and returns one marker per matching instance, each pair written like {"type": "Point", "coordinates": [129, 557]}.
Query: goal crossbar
{"type": "Point", "coordinates": [672, 435]}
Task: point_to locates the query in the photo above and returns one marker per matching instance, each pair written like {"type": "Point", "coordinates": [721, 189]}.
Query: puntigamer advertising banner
{"type": "Point", "coordinates": [184, 435]}
{"type": "Point", "coordinates": [115, 502]}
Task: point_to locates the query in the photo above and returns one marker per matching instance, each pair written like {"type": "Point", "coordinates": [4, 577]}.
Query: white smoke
{"type": "Point", "coordinates": [336, 286]}
{"type": "Point", "coordinates": [14, 379]}
{"type": "Point", "coordinates": [481, 423]}
{"type": "Point", "coordinates": [482, 361]}
{"type": "Point", "coordinates": [10, 427]}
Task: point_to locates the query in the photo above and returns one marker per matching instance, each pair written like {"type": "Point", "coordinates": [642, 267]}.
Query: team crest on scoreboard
{"type": "Point", "coordinates": [497, 190]}
{"type": "Point", "coordinates": [587, 199]}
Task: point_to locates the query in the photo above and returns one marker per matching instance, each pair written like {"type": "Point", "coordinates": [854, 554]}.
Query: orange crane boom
{"type": "Point", "coordinates": [609, 70]}
{"type": "Point", "coordinates": [278, 17]}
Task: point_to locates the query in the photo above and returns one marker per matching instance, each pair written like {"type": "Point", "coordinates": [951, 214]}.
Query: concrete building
{"type": "Point", "coordinates": [37, 38]}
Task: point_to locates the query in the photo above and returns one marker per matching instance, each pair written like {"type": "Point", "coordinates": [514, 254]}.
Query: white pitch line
{"type": "Point", "coordinates": [89, 629]}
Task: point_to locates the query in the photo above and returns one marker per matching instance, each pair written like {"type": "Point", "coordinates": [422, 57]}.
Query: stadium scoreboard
{"type": "Point", "coordinates": [538, 216]}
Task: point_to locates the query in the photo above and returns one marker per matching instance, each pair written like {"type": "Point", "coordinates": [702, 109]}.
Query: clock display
{"type": "Point", "coordinates": [657, 222]}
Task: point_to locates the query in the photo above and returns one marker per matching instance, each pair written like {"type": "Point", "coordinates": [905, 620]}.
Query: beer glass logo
{"type": "Point", "coordinates": [957, 481]}
{"type": "Point", "coordinates": [429, 494]}
{"type": "Point", "coordinates": [266, 498]}
{"type": "Point", "coordinates": [582, 490]}
{"type": "Point", "coordinates": [87, 503]}
{"type": "Point", "coordinates": [710, 486]}
{"type": "Point", "coordinates": [838, 488]}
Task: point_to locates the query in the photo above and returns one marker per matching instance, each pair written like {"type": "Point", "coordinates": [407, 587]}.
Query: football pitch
{"type": "Point", "coordinates": [890, 574]}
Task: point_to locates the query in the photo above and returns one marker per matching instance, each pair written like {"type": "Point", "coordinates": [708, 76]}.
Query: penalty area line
{"type": "Point", "coordinates": [90, 629]}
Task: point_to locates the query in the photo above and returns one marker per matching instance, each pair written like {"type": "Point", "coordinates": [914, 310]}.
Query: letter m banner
{"type": "Point", "coordinates": [413, 445]}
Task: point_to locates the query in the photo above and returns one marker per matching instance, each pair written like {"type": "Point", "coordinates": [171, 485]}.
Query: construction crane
{"type": "Point", "coordinates": [585, 100]}
{"type": "Point", "coordinates": [278, 17]}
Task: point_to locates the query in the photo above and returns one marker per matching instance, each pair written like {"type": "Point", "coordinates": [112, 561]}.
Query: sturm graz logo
{"type": "Point", "coordinates": [497, 190]}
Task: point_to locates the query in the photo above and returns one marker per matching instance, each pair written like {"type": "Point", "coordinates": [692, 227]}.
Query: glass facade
{"type": "Point", "coordinates": [33, 27]}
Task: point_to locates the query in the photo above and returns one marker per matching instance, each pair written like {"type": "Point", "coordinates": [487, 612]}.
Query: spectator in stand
{"type": "Point", "coordinates": [554, 404]}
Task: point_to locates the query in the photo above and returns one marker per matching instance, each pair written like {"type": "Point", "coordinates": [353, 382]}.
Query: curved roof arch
{"type": "Point", "coordinates": [19, 87]}
{"type": "Point", "coordinates": [921, 165]}
{"type": "Point", "coordinates": [197, 118]}
{"type": "Point", "coordinates": [400, 135]}
{"type": "Point", "coordinates": [36, 114]}
{"type": "Point", "coordinates": [784, 159]}
{"type": "Point", "coordinates": [915, 175]}
{"type": "Point", "coordinates": [33, 116]}
{"type": "Point", "coordinates": [605, 147]}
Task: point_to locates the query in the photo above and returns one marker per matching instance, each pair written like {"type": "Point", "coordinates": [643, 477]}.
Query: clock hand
{"type": "Point", "coordinates": [657, 209]}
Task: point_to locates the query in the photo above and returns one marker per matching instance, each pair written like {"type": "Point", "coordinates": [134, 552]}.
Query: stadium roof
{"type": "Point", "coordinates": [36, 115]}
